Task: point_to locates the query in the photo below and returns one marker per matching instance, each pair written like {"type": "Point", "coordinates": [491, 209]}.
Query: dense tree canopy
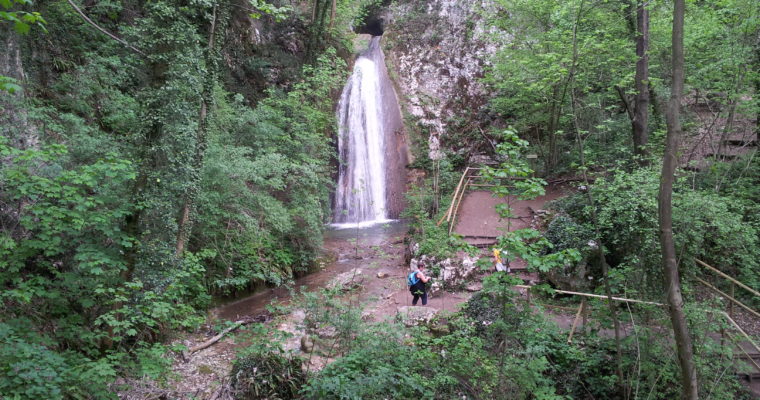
{"type": "Point", "coordinates": [158, 156]}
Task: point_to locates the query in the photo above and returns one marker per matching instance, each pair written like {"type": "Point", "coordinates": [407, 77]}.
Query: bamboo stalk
{"type": "Point", "coordinates": [597, 296]}
{"type": "Point", "coordinates": [575, 322]}
{"type": "Point", "coordinates": [746, 307]}
{"type": "Point", "coordinates": [727, 277]}
{"type": "Point", "coordinates": [456, 209]}
{"type": "Point", "coordinates": [447, 217]}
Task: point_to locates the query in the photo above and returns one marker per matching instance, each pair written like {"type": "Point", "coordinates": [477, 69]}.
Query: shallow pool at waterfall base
{"type": "Point", "coordinates": [363, 224]}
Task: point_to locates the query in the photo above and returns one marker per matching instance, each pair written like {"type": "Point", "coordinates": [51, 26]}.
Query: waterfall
{"type": "Point", "coordinates": [360, 196]}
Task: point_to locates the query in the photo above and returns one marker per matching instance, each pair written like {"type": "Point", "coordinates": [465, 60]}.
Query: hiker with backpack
{"type": "Point", "coordinates": [416, 281]}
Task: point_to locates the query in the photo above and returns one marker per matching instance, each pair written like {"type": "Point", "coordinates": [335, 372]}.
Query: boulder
{"type": "Point", "coordinates": [413, 315]}
{"type": "Point", "coordinates": [307, 344]}
{"type": "Point", "coordinates": [454, 273]}
{"type": "Point", "coordinates": [575, 277]}
{"type": "Point", "coordinates": [348, 280]}
{"type": "Point", "coordinates": [327, 332]}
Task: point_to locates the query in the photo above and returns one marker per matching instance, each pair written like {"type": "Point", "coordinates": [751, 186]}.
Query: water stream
{"type": "Point", "coordinates": [351, 249]}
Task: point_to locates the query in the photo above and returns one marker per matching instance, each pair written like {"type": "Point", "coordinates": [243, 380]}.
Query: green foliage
{"type": "Point", "coordinates": [326, 311]}
{"type": "Point", "coordinates": [514, 169]}
{"type": "Point", "coordinates": [267, 374]}
{"type": "Point", "coordinates": [536, 250]}
{"type": "Point", "coordinates": [498, 347]}
{"type": "Point", "coordinates": [141, 313]}
{"type": "Point", "coordinates": [8, 84]}
{"type": "Point", "coordinates": [266, 181]}
{"type": "Point", "coordinates": [514, 177]}
{"type": "Point", "coordinates": [706, 225]}
{"type": "Point", "coordinates": [495, 349]}
{"type": "Point", "coordinates": [739, 180]}
{"type": "Point", "coordinates": [22, 20]}
{"type": "Point", "coordinates": [30, 369]}
{"type": "Point", "coordinates": [263, 7]}
{"type": "Point", "coordinates": [433, 239]}
{"type": "Point", "coordinates": [90, 279]}
{"type": "Point", "coordinates": [61, 272]}
{"type": "Point", "coordinates": [565, 233]}
{"type": "Point", "coordinates": [551, 49]}
{"type": "Point", "coordinates": [70, 212]}
{"type": "Point", "coordinates": [379, 367]}
{"type": "Point", "coordinates": [567, 66]}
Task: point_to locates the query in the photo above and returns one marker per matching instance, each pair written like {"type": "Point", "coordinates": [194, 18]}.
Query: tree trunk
{"type": "Point", "coordinates": [757, 94]}
{"type": "Point", "coordinates": [657, 111]}
{"type": "Point", "coordinates": [184, 224]}
{"type": "Point", "coordinates": [640, 120]}
{"type": "Point", "coordinates": [14, 121]}
{"type": "Point", "coordinates": [332, 13]}
{"type": "Point", "coordinates": [554, 115]}
{"type": "Point", "coordinates": [665, 209]}
{"type": "Point", "coordinates": [133, 220]}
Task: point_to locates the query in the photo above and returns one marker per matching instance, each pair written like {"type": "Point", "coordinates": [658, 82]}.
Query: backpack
{"type": "Point", "coordinates": [412, 279]}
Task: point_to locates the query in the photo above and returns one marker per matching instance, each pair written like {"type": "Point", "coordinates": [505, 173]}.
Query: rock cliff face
{"type": "Point", "coordinates": [261, 53]}
{"type": "Point", "coordinates": [437, 51]}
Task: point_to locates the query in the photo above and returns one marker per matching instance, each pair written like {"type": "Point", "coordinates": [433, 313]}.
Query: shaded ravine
{"type": "Point", "coordinates": [371, 180]}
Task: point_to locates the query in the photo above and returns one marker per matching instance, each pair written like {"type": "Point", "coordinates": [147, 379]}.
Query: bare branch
{"type": "Point", "coordinates": [109, 34]}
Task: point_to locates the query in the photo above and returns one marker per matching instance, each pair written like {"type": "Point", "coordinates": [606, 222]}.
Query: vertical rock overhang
{"type": "Point", "coordinates": [396, 151]}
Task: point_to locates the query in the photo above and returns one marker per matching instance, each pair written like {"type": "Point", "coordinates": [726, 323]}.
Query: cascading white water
{"type": "Point", "coordinates": [360, 197]}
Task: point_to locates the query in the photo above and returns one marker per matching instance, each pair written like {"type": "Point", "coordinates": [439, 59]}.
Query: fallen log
{"type": "Point", "coordinates": [237, 324]}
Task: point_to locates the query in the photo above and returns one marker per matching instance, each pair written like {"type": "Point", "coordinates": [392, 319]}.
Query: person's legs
{"type": "Point", "coordinates": [415, 298]}
{"type": "Point", "coordinates": [424, 298]}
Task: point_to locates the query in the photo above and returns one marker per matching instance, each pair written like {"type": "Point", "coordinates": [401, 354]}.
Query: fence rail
{"type": "Point", "coordinates": [583, 311]}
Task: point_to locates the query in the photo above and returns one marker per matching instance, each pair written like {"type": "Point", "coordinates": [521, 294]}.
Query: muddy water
{"type": "Point", "coordinates": [346, 255]}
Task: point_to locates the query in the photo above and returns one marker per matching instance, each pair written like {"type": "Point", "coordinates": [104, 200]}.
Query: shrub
{"type": "Point", "coordinates": [380, 366]}
{"type": "Point", "coordinates": [267, 375]}
{"type": "Point", "coordinates": [706, 225]}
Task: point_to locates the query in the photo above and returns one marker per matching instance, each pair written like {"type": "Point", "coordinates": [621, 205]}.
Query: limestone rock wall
{"type": "Point", "coordinates": [437, 51]}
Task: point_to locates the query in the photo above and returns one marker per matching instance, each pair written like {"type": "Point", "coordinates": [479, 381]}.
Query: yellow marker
{"type": "Point", "coordinates": [497, 255]}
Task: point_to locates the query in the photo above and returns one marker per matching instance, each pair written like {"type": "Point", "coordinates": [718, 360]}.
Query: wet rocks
{"type": "Point", "coordinates": [327, 332]}
{"type": "Point", "coordinates": [440, 50]}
